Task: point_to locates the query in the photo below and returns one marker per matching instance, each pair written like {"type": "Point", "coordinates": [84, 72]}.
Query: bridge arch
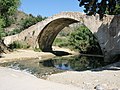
{"type": "Point", "coordinates": [50, 31]}
{"type": "Point", "coordinates": [43, 33]}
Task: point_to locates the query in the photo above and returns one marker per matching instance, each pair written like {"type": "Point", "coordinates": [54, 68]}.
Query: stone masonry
{"type": "Point", "coordinates": [43, 33]}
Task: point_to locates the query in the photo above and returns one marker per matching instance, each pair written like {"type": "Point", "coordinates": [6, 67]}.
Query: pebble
{"type": "Point", "coordinates": [99, 87]}
{"type": "Point", "coordinates": [115, 74]}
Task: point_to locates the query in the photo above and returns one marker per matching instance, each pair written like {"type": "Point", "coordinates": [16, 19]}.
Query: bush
{"type": "Point", "coordinates": [37, 49]}
{"type": "Point", "coordinates": [19, 45]}
{"type": "Point", "coordinates": [84, 41]}
{"type": "Point", "coordinates": [15, 31]}
{"type": "Point", "coordinates": [61, 42]}
{"type": "Point", "coordinates": [30, 20]}
{"type": "Point", "coordinates": [2, 33]}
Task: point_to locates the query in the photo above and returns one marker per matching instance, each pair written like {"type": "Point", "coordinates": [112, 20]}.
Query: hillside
{"type": "Point", "coordinates": [19, 15]}
{"type": "Point", "coordinates": [22, 21]}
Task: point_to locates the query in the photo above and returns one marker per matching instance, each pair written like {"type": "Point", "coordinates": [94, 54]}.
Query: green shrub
{"type": "Point", "coordinates": [18, 45]}
{"type": "Point", "coordinates": [15, 31]}
{"type": "Point", "coordinates": [84, 41]}
{"type": "Point", "coordinates": [37, 49]}
{"type": "Point", "coordinates": [61, 42]}
{"type": "Point", "coordinates": [30, 20]}
{"type": "Point", "coordinates": [2, 33]}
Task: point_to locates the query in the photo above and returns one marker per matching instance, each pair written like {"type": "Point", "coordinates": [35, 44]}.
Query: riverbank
{"type": "Point", "coordinates": [22, 54]}
{"type": "Point", "coordinates": [11, 79]}
{"type": "Point", "coordinates": [106, 78]}
{"type": "Point", "coordinates": [18, 80]}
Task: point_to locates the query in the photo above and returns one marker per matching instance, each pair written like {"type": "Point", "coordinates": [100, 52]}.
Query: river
{"type": "Point", "coordinates": [47, 67]}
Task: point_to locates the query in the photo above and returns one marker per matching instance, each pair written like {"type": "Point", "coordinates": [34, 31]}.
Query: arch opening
{"type": "Point", "coordinates": [50, 31]}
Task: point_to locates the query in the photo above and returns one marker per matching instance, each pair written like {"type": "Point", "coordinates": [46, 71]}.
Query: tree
{"type": "Point", "coordinates": [117, 9]}
{"type": "Point", "coordinates": [7, 9]}
{"type": "Point", "coordinates": [111, 7]}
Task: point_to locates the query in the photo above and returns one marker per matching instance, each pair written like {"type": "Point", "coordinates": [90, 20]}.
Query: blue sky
{"type": "Point", "coordinates": [49, 7]}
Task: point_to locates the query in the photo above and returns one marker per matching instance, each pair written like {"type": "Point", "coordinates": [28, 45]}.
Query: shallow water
{"type": "Point", "coordinates": [75, 63]}
{"type": "Point", "coordinates": [56, 65]}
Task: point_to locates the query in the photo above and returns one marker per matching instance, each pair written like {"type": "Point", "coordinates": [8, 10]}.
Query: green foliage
{"type": "Point", "coordinates": [100, 6]}
{"type": "Point", "coordinates": [7, 10]}
{"type": "Point", "coordinates": [2, 23]}
{"type": "Point", "coordinates": [83, 40]}
{"type": "Point", "coordinates": [30, 20]}
{"type": "Point", "coordinates": [1, 28]}
{"type": "Point", "coordinates": [15, 31]}
{"type": "Point", "coordinates": [25, 23]}
{"type": "Point", "coordinates": [40, 18]}
{"type": "Point", "coordinates": [2, 34]}
{"type": "Point", "coordinates": [61, 42]}
{"type": "Point", "coordinates": [64, 33]}
{"type": "Point", "coordinates": [37, 49]}
{"type": "Point", "coordinates": [117, 9]}
{"type": "Point", "coordinates": [18, 45]}
{"type": "Point", "coordinates": [78, 63]}
{"type": "Point", "coordinates": [80, 39]}
{"type": "Point", "coordinates": [82, 63]}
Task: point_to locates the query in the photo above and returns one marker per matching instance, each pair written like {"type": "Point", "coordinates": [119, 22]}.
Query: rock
{"type": "Point", "coordinates": [3, 47]}
{"type": "Point", "coordinates": [115, 89]}
{"type": "Point", "coordinates": [99, 87]}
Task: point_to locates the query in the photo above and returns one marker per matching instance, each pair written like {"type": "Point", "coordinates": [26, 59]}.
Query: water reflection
{"type": "Point", "coordinates": [76, 63]}
{"type": "Point", "coordinates": [56, 65]}
{"type": "Point", "coordinates": [63, 66]}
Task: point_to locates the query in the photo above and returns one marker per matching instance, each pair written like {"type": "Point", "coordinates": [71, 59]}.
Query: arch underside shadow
{"type": "Point", "coordinates": [51, 30]}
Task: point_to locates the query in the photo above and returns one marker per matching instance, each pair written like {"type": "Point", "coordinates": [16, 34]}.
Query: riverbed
{"type": "Point", "coordinates": [44, 68]}
{"type": "Point", "coordinates": [86, 79]}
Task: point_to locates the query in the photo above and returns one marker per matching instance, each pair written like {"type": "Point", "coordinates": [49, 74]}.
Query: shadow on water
{"type": "Point", "coordinates": [60, 53]}
{"type": "Point", "coordinates": [114, 65]}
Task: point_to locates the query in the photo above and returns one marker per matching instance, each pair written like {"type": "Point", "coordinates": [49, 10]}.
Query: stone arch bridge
{"type": "Point", "coordinates": [43, 33]}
